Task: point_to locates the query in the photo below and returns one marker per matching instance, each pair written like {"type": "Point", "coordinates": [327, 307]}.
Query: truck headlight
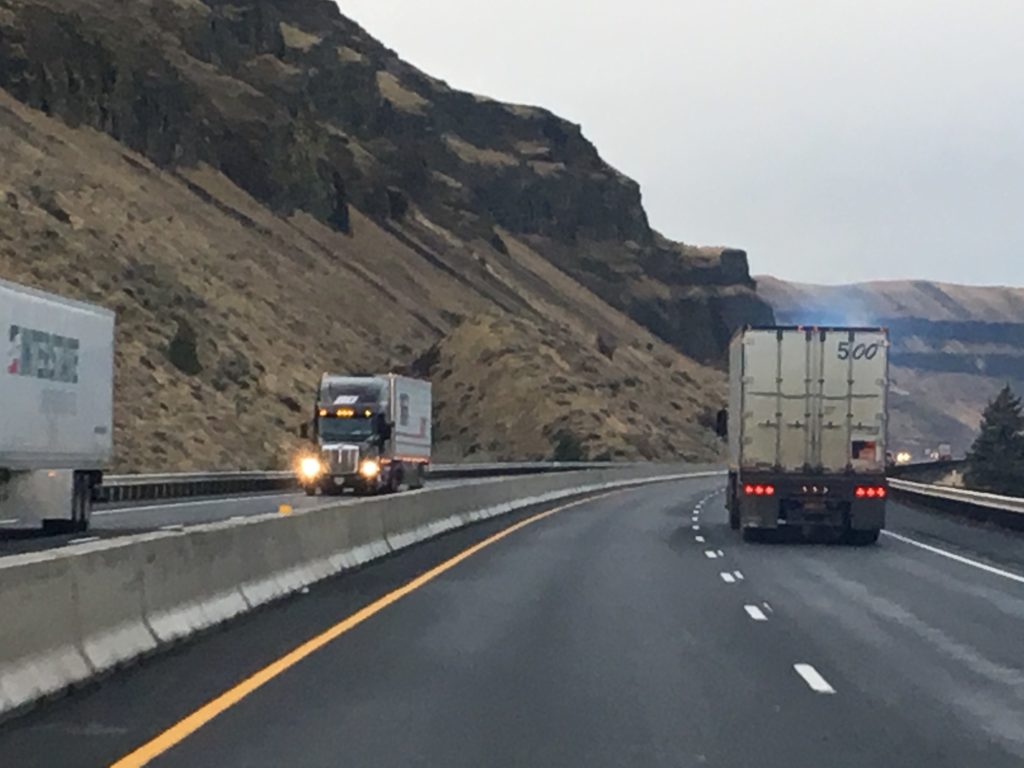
{"type": "Point", "coordinates": [369, 469]}
{"type": "Point", "coordinates": [310, 468]}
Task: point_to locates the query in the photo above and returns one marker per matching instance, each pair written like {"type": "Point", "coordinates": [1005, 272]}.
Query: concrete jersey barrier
{"type": "Point", "coordinates": [75, 613]}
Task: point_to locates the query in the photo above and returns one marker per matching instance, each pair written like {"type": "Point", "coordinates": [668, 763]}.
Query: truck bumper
{"type": "Point", "coordinates": [329, 483]}
{"type": "Point", "coordinates": [811, 502]}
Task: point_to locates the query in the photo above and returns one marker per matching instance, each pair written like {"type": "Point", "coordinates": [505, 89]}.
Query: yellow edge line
{"type": "Point", "coordinates": [192, 723]}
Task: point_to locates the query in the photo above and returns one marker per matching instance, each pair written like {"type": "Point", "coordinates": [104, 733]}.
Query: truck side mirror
{"type": "Point", "coordinates": [722, 423]}
{"type": "Point", "coordinates": [304, 431]}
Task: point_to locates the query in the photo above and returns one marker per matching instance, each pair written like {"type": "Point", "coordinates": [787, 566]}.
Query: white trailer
{"type": "Point", "coordinates": [807, 427]}
{"type": "Point", "coordinates": [56, 422]}
{"type": "Point", "coordinates": [372, 434]}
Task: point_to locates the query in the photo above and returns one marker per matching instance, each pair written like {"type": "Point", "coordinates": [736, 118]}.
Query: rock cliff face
{"type": "Point", "coordinates": [352, 175]}
{"type": "Point", "coordinates": [954, 347]}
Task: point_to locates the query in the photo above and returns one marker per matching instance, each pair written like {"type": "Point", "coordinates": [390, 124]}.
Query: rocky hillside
{"type": "Point", "coordinates": [262, 191]}
{"type": "Point", "coordinates": [954, 346]}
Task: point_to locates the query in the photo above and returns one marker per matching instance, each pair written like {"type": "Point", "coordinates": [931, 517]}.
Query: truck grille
{"type": "Point", "coordinates": [345, 461]}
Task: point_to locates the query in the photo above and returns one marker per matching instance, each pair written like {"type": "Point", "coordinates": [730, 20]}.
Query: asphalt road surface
{"type": "Point", "coordinates": [633, 629]}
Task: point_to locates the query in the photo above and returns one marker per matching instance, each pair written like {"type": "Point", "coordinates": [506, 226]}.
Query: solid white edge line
{"type": "Point", "coordinates": [84, 540]}
{"type": "Point", "coordinates": [728, 578]}
{"type": "Point", "coordinates": [957, 558]}
{"type": "Point", "coordinates": [755, 613]}
{"type": "Point", "coordinates": [813, 678]}
{"type": "Point", "coordinates": [12, 521]}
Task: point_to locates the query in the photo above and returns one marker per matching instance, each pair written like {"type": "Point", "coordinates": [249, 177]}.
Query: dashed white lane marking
{"type": "Point", "coordinates": [727, 577]}
{"type": "Point", "coordinates": [84, 540]}
{"type": "Point", "coordinates": [710, 555]}
{"type": "Point", "coordinates": [958, 558]}
{"type": "Point", "coordinates": [813, 678]}
{"type": "Point", "coordinates": [755, 613]}
{"type": "Point", "coordinates": [738, 575]}
{"type": "Point", "coordinates": [720, 553]}
{"type": "Point", "coordinates": [699, 539]}
{"type": "Point", "coordinates": [696, 527]}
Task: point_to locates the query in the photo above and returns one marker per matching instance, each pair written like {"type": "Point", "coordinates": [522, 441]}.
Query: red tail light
{"type": "Point", "coordinates": [748, 489]}
{"type": "Point", "coordinates": [769, 490]}
{"type": "Point", "coordinates": [871, 492]}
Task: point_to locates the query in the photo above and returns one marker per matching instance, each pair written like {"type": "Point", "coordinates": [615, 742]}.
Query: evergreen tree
{"type": "Point", "coordinates": [996, 460]}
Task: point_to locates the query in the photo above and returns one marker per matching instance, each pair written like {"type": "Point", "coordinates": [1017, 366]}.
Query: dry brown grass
{"type": "Point", "coordinates": [275, 301]}
{"type": "Point", "coordinates": [470, 153]}
{"type": "Point", "coordinates": [398, 95]}
{"type": "Point", "coordinates": [298, 38]}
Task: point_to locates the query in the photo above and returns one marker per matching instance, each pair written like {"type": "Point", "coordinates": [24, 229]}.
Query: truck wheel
{"type": "Point", "coordinates": [418, 479]}
{"type": "Point", "coordinates": [310, 490]}
{"type": "Point", "coordinates": [863, 538]}
{"type": "Point", "coordinates": [734, 517]}
{"type": "Point", "coordinates": [394, 481]}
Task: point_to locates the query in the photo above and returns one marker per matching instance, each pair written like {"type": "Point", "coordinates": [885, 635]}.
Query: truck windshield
{"type": "Point", "coordinates": [335, 430]}
{"type": "Point", "coordinates": [349, 394]}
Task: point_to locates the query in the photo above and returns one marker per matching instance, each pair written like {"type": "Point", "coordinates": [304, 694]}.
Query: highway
{"type": "Point", "coordinates": [630, 629]}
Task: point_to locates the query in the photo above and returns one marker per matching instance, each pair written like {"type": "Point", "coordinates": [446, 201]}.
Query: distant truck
{"type": "Point", "coordinates": [369, 433]}
{"type": "Point", "coordinates": [807, 425]}
{"type": "Point", "coordinates": [945, 452]}
{"type": "Point", "coordinates": [57, 394]}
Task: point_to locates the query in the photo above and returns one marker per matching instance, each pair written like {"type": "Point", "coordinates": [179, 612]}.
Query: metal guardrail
{"type": "Point", "coordinates": [1007, 511]}
{"type": "Point", "coordinates": [117, 488]}
{"type": "Point", "coordinates": [925, 470]}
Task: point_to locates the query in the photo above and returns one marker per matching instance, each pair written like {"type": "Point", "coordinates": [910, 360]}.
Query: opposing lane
{"type": "Point", "coordinates": [603, 635]}
{"type": "Point", "coordinates": [109, 520]}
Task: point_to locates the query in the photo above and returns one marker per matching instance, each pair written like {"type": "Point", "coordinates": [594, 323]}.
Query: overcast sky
{"type": "Point", "coordinates": [834, 140]}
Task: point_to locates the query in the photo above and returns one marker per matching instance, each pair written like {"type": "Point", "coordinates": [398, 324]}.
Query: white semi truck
{"type": "Point", "coordinates": [807, 430]}
{"type": "Point", "coordinates": [369, 433]}
{"type": "Point", "coordinates": [56, 407]}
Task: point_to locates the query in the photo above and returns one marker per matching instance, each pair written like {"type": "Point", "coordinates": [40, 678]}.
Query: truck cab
{"type": "Point", "coordinates": [362, 435]}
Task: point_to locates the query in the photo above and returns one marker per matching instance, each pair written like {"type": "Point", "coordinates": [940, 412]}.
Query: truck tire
{"type": "Point", "coordinates": [395, 478]}
{"type": "Point", "coordinates": [863, 538]}
{"type": "Point", "coordinates": [418, 478]}
{"type": "Point", "coordinates": [734, 517]}
{"type": "Point", "coordinates": [310, 490]}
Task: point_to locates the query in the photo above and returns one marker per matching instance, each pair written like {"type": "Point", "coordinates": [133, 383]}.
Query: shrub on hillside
{"type": "Point", "coordinates": [568, 447]}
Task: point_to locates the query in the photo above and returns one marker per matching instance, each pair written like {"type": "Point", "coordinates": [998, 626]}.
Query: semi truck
{"type": "Point", "coordinates": [807, 430]}
{"type": "Point", "coordinates": [371, 434]}
{"type": "Point", "coordinates": [57, 395]}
